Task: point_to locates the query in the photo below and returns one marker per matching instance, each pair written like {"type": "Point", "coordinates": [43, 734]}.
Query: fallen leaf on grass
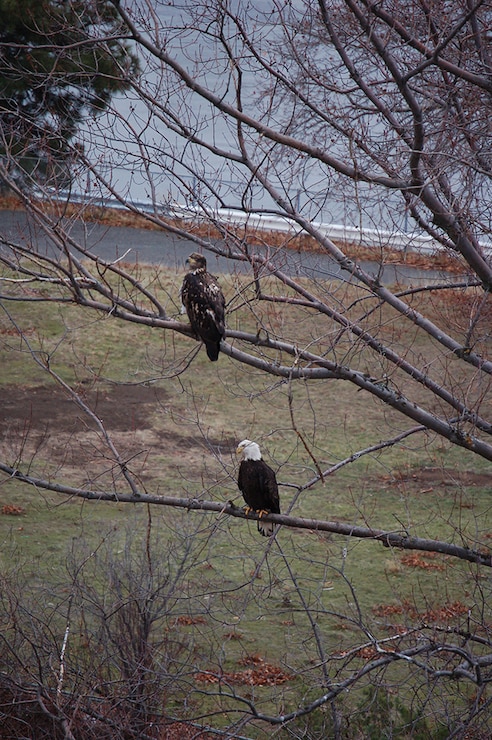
{"type": "Point", "coordinates": [441, 613]}
{"type": "Point", "coordinates": [186, 621]}
{"type": "Point", "coordinates": [264, 674]}
{"type": "Point", "coordinates": [11, 510]}
{"type": "Point", "coordinates": [417, 561]}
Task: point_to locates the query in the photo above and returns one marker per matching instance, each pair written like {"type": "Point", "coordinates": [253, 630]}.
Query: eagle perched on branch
{"type": "Point", "coordinates": [204, 303]}
{"type": "Point", "coordinates": [258, 484]}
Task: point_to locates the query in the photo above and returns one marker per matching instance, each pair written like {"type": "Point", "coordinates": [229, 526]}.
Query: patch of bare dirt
{"type": "Point", "coordinates": [120, 407]}
{"type": "Point", "coordinates": [46, 421]}
{"type": "Point", "coordinates": [428, 478]}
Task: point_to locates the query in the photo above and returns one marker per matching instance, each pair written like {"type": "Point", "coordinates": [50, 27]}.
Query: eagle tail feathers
{"type": "Point", "coordinates": [265, 528]}
{"type": "Point", "coordinates": [213, 349]}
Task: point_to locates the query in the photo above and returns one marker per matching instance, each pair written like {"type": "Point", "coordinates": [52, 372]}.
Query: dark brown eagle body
{"type": "Point", "coordinates": [258, 484]}
{"type": "Point", "coordinates": [205, 304]}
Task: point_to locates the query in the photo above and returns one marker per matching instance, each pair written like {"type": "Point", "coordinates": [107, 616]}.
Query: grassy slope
{"type": "Point", "coordinates": [189, 451]}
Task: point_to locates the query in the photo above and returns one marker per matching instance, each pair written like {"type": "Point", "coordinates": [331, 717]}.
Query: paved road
{"type": "Point", "coordinates": [109, 243]}
{"type": "Point", "coordinates": [159, 247]}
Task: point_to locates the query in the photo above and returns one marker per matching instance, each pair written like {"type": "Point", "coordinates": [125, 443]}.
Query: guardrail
{"type": "Point", "coordinates": [368, 237]}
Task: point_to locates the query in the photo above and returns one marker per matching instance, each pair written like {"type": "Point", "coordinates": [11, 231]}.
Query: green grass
{"type": "Point", "coordinates": [187, 449]}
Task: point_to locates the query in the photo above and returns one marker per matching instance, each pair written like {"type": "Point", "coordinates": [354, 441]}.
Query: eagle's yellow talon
{"type": "Point", "coordinates": [262, 512]}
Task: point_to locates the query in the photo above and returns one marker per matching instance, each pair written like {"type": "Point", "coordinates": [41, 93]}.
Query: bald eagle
{"type": "Point", "coordinates": [258, 484]}
{"type": "Point", "coordinates": [204, 303]}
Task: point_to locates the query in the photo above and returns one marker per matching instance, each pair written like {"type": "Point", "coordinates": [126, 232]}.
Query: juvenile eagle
{"type": "Point", "coordinates": [204, 303]}
{"type": "Point", "coordinates": [258, 484]}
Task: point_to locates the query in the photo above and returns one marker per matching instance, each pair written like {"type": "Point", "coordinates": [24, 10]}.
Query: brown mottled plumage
{"type": "Point", "coordinates": [204, 303]}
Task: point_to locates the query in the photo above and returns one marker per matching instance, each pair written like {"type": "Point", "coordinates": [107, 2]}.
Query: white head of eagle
{"type": "Point", "coordinates": [204, 302]}
{"type": "Point", "coordinates": [258, 484]}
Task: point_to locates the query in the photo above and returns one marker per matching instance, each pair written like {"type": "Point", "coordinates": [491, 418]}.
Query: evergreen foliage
{"type": "Point", "coordinates": [59, 62]}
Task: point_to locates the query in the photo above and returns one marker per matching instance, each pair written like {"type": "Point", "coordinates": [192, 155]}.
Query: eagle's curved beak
{"type": "Point", "coordinates": [239, 450]}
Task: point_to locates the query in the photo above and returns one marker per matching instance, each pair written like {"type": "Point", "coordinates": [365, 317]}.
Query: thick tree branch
{"type": "Point", "coordinates": [389, 539]}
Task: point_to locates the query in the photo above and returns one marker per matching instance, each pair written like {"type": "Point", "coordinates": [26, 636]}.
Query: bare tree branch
{"type": "Point", "coordinates": [389, 539]}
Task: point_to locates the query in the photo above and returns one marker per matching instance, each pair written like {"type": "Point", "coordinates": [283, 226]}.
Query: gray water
{"type": "Point", "coordinates": [111, 139]}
